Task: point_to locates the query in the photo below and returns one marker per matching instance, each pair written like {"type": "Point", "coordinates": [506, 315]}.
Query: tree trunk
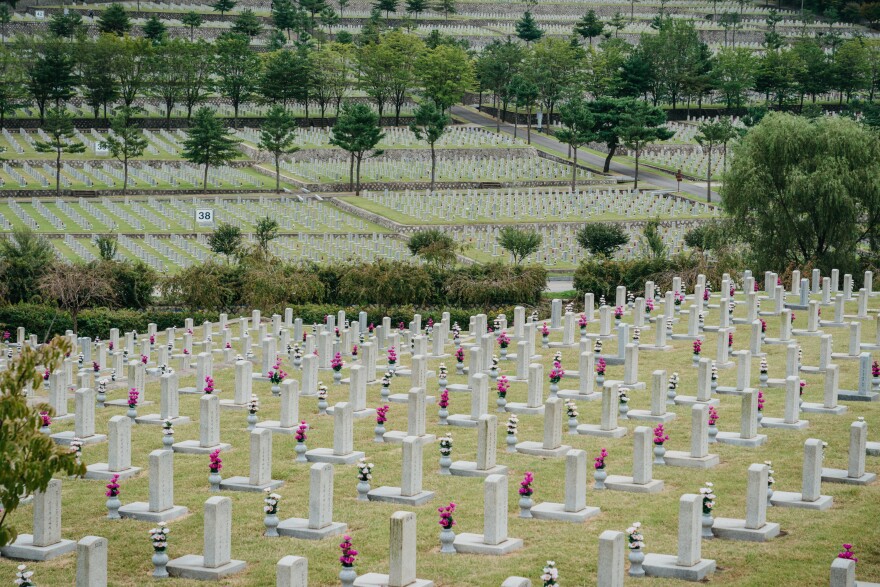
{"type": "Point", "coordinates": [574, 168]}
{"type": "Point", "coordinates": [357, 185]}
{"type": "Point", "coordinates": [351, 173]}
{"type": "Point", "coordinates": [529, 126]}
{"type": "Point", "coordinates": [124, 175]}
{"type": "Point", "coordinates": [433, 167]}
{"type": "Point", "coordinates": [58, 174]}
{"type": "Point", "coordinates": [515, 120]}
{"type": "Point", "coordinates": [205, 180]}
{"type": "Point", "coordinates": [608, 158]}
{"type": "Point", "coordinates": [709, 177]}
{"type": "Point", "coordinates": [636, 183]}
{"type": "Point", "coordinates": [235, 117]}
{"type": "Point", "coordinates": [277, 174]}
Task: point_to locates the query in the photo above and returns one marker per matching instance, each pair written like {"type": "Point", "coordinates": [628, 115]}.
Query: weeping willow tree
{"type": "Point", "coordinates": [806, 191]}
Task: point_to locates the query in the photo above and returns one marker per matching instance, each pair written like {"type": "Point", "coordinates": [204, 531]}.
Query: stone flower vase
{"type": "Point", "coordinates": [713, 434]}
{"type": "Point", "coordinates": [545, 342]}
{"type": "Point", "coordinates": [271, 521]}
{"type": "Point", "coordinates": [167, 440]}
{"type": "Point", "coordinates": [659, 451]}
{"type": "Point", "coordinates": [132, 413]}
{"type": "Point", "coordinates": [160, 559]}
{"type": "Point", "coordinates": [379, 431]}
{"type": "Point", "coordinates": [322, 406]}
{"type": "Point", "coordinates": [347, 576]}
{"type": "Point", "coordinates": [445, 463]}
{"type": "Point", "coordinates": [113, 505]}
{"type": "Point", "coordinates": [636, 558]}
{"type": "Point", "coordinates": [443, 413]}
{"type": "Point", "coordinates": [384, 393]}
{"type": "Point", "coordinates": [101, 398]}
{"type": "Point", "coordinates": [447, 537]}
{"type": "Point", "coordinates": [214, 479]}
{"type": "Point", "coordinates": [511, 443]}
{"type": "Point", "coordinates": [337, 377]}
{"type": "Point", "coordinates": [554, 389]}
{"type": "Point", "coordinates": [276, 390]}
{"type": "Point", "coordinates": [501, 403]}
{"type": "Point", "coordinates": [572, 425]}
{"type": "Point", "coordinates": [442, 382]}
{"type": "Point", "coordinates": [670, 396]}
{"type": "Point", "coordinates": [525, 506]}
{"type": "Point", "coordinates": [251, 421]}
{"type": "Point", "coordinates": [363, 487]}
{"type": "Point", "coordinates": [623, 410]}
{"type": "Point", "coordinates": [504, 353]}
{"type": "Point", "coordinates": [599, 475]}
{"type": "Point", "coordinates": [301, 449]}
{"type": "Point", "coordinates": [600, 379]}
{"type": "Point", "coordinates": [707, 522]}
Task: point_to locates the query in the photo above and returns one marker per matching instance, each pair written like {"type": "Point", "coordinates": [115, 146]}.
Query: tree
{"type": "Point", "coordinates": [114, 20]}
{"type": "Point", "coordinates": [330, 71]}
{"type": "Point", "coordinates": [13, 83]}
{"type": "Point", "coordinates": [713, 134]}
{"type": "Point", "coordinates": [282, 78]}
{"type": "Point", "coordinates": [607, 117]}
{"type": "Point", "coordinates": [734, 73]}
{"type": "Point", "coordinates": [496, 66]}
{"type": "Point", "coordinates": [429, 124]}
{"type": "Point", "coordinates": [266, 230]}
{"type": "Point", "coordinates": [434, 246]}
{"type": "Point", "coordinates": [602, 238]}
{"type": "Point", "coordinates": [277, 136]}
{"type": "Point", "coordinates": [74, 288]}
{"type": "Point", "coordinates": [29, 458]}
{"type": "Point", "coordinates": [527, 28]}
{"type": "Point", "coordinates": [126, 142]}
{"type": "Point", "coordinates": [24, 258]}
{"type": "Point", "coordinates": [525, 95]}
{"type": "Point", "coordinates": [446, 73]}
{"type": "Point", "coordinates": [589, 26]}
{"type": "Point", "coordinates": [247, 23]}
{"type": "Point", "coordinates": [59, 127]}
{"type": "Point", "coordinates": [155, 30]}
{"type": "Point", "coordinates": [388, 6]}
{"type": "Point", "coordinates": [5, 19]}
{"type": "Point", "coordinates": [98, 84]}
{"type": "Point", "coordinates": [193, 20]}
{"type": "Point", "coordinates": [642, 124]}
{"type": "Point", "coordinates": [65, 26]}
{"type": "Point", "coordinates": [237, 70]}
{"type": "Point", "coordinates": [416, 7]}
{"type": "Point", "coordinates": [447, 7]}
{"type": "Point", "coordinates": [223, 6]}
{"type": "Point", "coordinates": [131, 62]}
{"type": "Point", "coordinates": [577, 122]}
{"type": "Point", "coordinates": [208, 143]}
{"type": "Point", "coordinates": [357, 131]}
{"type": "Point", "coordinates": [167, 71]}
{"type": "Point", "coordinates": [519, 242]}
{"type": "Point", "coordinates": [107, 246]}
{"type": "Point", "coordinates": [195, 80]}
{"type": "Point", "coordinates": [225, 240]}
{"type": "Point", "coordinates": [342, 5]}
{"type": "Point", "coordinates": [51, 74]}
{"type": "Point", "coordinates": [653, 240]}
{"type": "Point", "coordinates": [556, 67]}
{"type": "Point", "coordinates": [804, 192]}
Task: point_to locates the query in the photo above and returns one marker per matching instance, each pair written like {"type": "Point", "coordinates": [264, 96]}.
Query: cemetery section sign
{"type": "Point", "coordinates": [205, 216]}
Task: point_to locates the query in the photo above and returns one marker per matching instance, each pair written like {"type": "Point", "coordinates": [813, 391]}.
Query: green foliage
{"type": "Point", "coordinates": [805, 192]}
{"type": "Point", "coordinates": [155, 30]}
{"type": "Point", "coordinates": [24, 258]}
{"type": "Point", "coordinates": [714, 134]}
{"type": "Point", "coordinates": [277, 135]}
{"type": "Point", "coordinates": [589, 26]}
{"type": "Point", "coordinates": [602, 277]}
{"type": "Point", "coordinates": [208, 142]}
{"type": "Point", "coordinates": [265, 231]}
{"type": "Point", "coordinates": [429, 125]}
{"type": "Point", "coordinates": [237, 70]}
{"type": "Point", "coordinates": [132, 283]}
{"type": "Point", "coordinates": [223, 6]}
{"type": "Point", "coordinates": [496, 283]}
{"type": "Point", "coordinates": [193, 20]}
{"type": "Point", "coordinates": [446, 73]}
{"type": "Point", "coordinates": [653, 240]}
{"type": "Point", "coordinates": [357, 131]}
{"type": "Point", "coordinates": [29, 458]}
{"type": "Point", "coordinates": [59, 127]}
{"type": "Point", "coordinates": [710, 236]}
{"type": "Point", "coordinates": [126, 142]}
{"type": "Point", "coordinates": [602, 238]}
{"type": "Point", "coordinates": [640, 125]}
{"type": "Point", "coordinates": [107, 245]}
{"type": "Point", "coordinates": [519, 242]}
{"type": "Point", "coordinates": [13, 80]}
{"type": "Point", "coordinates": [247, 23]}
{"type": "Point", "coordinates": [50, 74]}
{"type": "Point", "coordinates": [65, 26]}
{"type": "Point", "coordinates": [434, 246]}
{"type": "Point", "coordinates": [114, 20]}
{"type": "Point", "coordinates": [527, 28]}
{"type": "Point", "coordinates": [209, 286]}
{"type": "Point", "coordinates": [226, 240]}
{"type": "Point", "coordinates": [387, 284]}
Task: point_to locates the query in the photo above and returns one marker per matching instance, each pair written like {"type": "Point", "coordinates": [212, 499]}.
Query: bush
{"type": "Point", "coordinates": [602, 278]}
{"type": "Point", "coordinates": [495, 284]}
{"type": "Point", "coordinates": [602, 238]}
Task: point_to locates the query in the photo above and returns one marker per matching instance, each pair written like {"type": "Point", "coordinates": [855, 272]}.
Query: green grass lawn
{"type": "Point", "coordinates": [801, 556]}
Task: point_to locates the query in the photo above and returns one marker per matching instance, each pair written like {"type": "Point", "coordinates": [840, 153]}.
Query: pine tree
{"type": "Point", "coordinates": [59, 127]}
{"type": "Point", "coordinates": [247, 23]}
{"type": "Point", "coordinates": [416, 7]}
{"type": "Point", "coordinates": [589, 26]}
{"type": "Point", "coordinates": [388, 6]}
{"type": "Point", "coordinates": [429, 124]}
{"type": "Point", "coordinates": [357, 131]}
{"type": "Point", "coordinates": [223, 6]}
{"type": "Point", "coordinates": [114, 20]}
{"type": "Point", "coordinates": [193, 20]}
{"type": "Point", "coordinates": [447, 7]}
{"type": "Point", "coordinates": [576, 131]}
{"type": "Point", "coordinates": [527, 28]}
{"type": "Point", "coordinates": [154, 29]}
{"type": "Point", "coordinates": [208, 142]}
{"type": "Point", "coordinates": [126, 142]}
{"type": "Point", "coordinates": [276, 136]}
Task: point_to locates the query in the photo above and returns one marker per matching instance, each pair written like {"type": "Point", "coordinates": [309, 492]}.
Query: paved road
{"type": "Point", "coordinates": [652, 177]}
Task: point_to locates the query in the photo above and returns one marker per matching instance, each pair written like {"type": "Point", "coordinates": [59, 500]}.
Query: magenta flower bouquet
{"type": "Point", "coordinates": [582, 321]}
{"type": "Point", "coordinates": [209, 384]}
{"type": "Point", "coordinates": [443, 402]}
{"type": "Point", "coordinates": [649, 305]}
{"type": "Point", "coordinates": [713, 416]}
{"type": "Point", "coordinates": [875, 369]}
{"type": "Point", "coordinates": [698, 346]}
{"type": "Point", "coordinates": [848, 553]}
{"type": "Point", "coordinates": [382, 414]}
{"type": "Point", "coordinates": [599, 462]}
{"type": "Point", "coordinates": [730, 339]}
{"type": "Point", "coordinates": [503, 340]}
{"type": "Point", "coordinates": [215, 463]}
{"type": "Point", "coordinates": [618, 312]}
{"type": "Point", "coordinates": [600, 367]}
{"type": "Point", "coordinates": [354, 351]}
{"type": "Point", "coordinates": [459, 355]}
{"type": "Point", "coordinates": [95, 366]}
{"type": "Point", "coordinates": [392, 356]}
{"type": "Point", "coordinates": [803, 385]}
{"type": "Point", "coordinates": [46, 375]}
{"type": "Point", "coordinates": [556, 374]}
{"type": "Point", "coordinates": [525, 486]}
{"type": "Point", "coordinates": [336, 362]}
{"type": "Point", "coordinates": [760, 401]}
{"type": "Point", "coordinates": [144, 359]}
{"type": "Point", "coordinates": [503, 386]}
{"type": "Point", "coordinates": [133, 397]}
{"type": "Point", "coordinates": [348, 553]}
{"type": "Point", "coordinates": [276, 374]}
{"type": "Point", "coordinates": [446, 521]}
{"type": "Point", "coordinates": [300, 434]}
{"type": "Point", "coordinates": [545, 331]}
{"type": "Point", "coordinates": [677, 298]}
{"type": "Point", "coordinates": [660, 435]}
{"type": "Point", "coordinates": [45, 419]}
{"type": "Point", "coordinates": [113, 487]}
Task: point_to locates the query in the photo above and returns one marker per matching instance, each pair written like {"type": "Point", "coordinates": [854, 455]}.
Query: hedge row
{"type": "Point", "coordinates": [46, 321]}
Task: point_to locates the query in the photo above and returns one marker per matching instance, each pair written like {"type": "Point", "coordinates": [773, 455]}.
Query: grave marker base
{"type": "Point", "coordinates": [140, 510]}
{"type": "Point", "coordinates": [469, 469]}
{"type": "Point", "coordinates": [192, 566]}
{"type": "Point", "coordinates": [367, 412]}
{"type": "Point", "coordinates": [781, 423]}
{"type": "Point", "coordinates": [240, 483]}
{"type": "Point", "coordinates": [193, 447]}
{"type": "Point", "coordinates": [102, 472]}
{"type": "Point", "coordinates": [788, 499]}
{"type": "Point", "coordinates": [299, 528]}
{"type": "Point", "coordinates": [734, 529]}
{"type": "Point", "coordinates": [666, 565]}
{"type": "Point", "coordinates": [276, 427]}
{"type": "Point", "coordinates": [23, 549]}
{"type": "Point", "coordinates": [556, 512]}
{"type": "Point", "coordinates": [537, 449]}
{"type": "Point", "coordinates": [325, 455]}
{"type": "Point", "coordinates": [624, 483]}
{"type": "Point", "coordinates": [398, 398]}
{"type": "Point", "coordinates": [380, 580]}
{"type": "Point", "coordinates": [736, 439]}
{"type": "Point", "coordinates": [393, 495]}
{"type": "Point", "coordinates": [64, 438]}
{"type": "Point", "coordinates": [228, 404]}
{"type": "Point", "coordinates": [461, 420]}
{"type": "Point", "coordinates": [596, 430]}
{"type": "Point", "coordinates": [676, 458]}
{"type": "Point", "coordinates": [156, 420]}
{"type": "Point", "coordinates": [396, 437]}
{"type": "Point", "coordinates": [647, 416]}
{"type": "Point", "coordinates": [578, 396]}
{"type": "Point", "coordinates": [855, 396]}
{"type": "Point", "coordinates": [821, 409]}
{"type": "Point", "coordinates": [466, 543]}
{"type": "Point", "coordinates": [689, 400]}
{"type": "Point", "coordinates": [524, 409]}
{"type": "Point", "coordinates": [842, 476]}
{"type": "Point", "coordinates": [872, 449]}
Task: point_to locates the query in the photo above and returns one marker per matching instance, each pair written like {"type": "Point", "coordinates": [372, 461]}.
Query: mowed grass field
{"type": "Point", "coordinates": [800, 556]}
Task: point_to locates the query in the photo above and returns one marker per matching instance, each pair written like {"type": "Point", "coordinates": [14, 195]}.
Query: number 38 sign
{"type": "Point", "coordinates": [205, 216]}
